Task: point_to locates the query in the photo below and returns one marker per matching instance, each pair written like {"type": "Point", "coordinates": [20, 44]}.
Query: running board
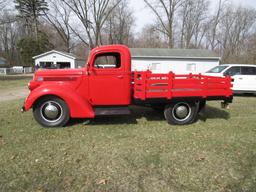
{"type": "Point", "coordinates": [101, 111]}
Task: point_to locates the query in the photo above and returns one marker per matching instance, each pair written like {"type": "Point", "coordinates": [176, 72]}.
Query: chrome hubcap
{"type": "Point", "coordinates": [51, 111]}
{"type": "Point", "coordinates": [181, 111]}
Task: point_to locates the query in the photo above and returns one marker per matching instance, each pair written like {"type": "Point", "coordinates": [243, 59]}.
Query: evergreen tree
{"type": "Point", "coordinates": [30, 11]}
{"type": "Point", "coordinates": [29, 47]}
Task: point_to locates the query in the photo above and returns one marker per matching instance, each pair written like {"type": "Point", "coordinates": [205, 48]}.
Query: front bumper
{"type": "Point", "coordinates": [22, 110]}
{"type": "Point", "coordinates": [24, 107]}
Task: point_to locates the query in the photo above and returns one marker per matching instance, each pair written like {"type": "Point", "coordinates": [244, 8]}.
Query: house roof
{"type": "Point", "coordinates": [69, 55]}
{"type": "Point", "coordinates": [173, 53]}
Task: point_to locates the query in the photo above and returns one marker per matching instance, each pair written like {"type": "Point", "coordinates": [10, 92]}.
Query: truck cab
{"type": "Point", "coordinates": [109, 76]}
{"type": "Point", "coordinates": [107, 86]}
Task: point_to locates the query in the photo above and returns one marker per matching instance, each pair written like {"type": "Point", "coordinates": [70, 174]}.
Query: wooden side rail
{"type": "Point", "coordinates": [148, 85]}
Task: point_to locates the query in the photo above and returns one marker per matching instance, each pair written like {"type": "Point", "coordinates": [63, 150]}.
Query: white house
{"type": "Point", "coordinates": [58, 59]}
{"type": "Point", "coordinates": [179, 61]}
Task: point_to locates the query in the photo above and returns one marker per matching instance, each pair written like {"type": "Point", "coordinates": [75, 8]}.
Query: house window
{"type": "Point", "coordinates": [191, 67]}
{"type": "Point", "coordinates": [154, 66]}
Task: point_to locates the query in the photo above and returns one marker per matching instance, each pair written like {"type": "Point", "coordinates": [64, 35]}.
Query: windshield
{"type": "Point", "coordinates": [217, 69]}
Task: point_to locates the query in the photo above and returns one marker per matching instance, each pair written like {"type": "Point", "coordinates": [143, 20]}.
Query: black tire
{"type": "Point", "coordinates": [51, 112]}
{"type": "Point", "coordinates": [181, 113]}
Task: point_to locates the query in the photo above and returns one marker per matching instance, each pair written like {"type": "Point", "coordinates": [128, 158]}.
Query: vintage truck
{"type": "Point", "coordinates": [107, 86]}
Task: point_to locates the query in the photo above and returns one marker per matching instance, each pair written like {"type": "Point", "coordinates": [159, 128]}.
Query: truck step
{"type": "Point", "coordinates": [101, 111]}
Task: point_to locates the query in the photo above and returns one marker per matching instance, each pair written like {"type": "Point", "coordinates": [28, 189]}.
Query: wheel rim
{"type": "Point", "coordinates": [51, 111]}
{"type": "Point", "coordinates": [181, 111]}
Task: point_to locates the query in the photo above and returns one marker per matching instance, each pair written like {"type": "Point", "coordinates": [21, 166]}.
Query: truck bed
{"type": "Point", "coordinates": [169, 86]}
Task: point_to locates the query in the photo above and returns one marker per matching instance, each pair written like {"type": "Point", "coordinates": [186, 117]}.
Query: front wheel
{"type": "Point", "coordinates": [181, 113]}
{"type": "Point", "coordinates": [51, 112]}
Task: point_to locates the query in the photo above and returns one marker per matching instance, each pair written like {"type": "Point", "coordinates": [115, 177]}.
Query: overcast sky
{"type": "Point", "coordinates": [144, 16]}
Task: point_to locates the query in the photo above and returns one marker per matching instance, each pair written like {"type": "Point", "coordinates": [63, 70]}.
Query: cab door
{"type": "Point", "coordinates": [109, 83]}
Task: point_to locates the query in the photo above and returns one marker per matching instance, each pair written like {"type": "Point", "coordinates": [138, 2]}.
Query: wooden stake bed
{"type": "Point", "coordinates": [148, 85]}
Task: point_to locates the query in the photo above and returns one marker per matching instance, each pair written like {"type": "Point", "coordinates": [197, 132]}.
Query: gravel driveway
{"type": "Point", "coordinates": [15, 93]}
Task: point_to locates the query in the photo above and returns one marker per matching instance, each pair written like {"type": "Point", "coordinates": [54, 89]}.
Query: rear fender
{"type": "Point", "coordinates": [79, 107]}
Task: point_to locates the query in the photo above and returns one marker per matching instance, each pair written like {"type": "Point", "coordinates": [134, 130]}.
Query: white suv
{"type": "Point", "coordinates": [244, 76]}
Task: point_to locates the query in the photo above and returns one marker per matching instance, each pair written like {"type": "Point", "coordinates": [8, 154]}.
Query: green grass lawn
{"type": "Point", "coordinates": [12, 84]}
{"type": "Point", "coordinates": [131, 153]}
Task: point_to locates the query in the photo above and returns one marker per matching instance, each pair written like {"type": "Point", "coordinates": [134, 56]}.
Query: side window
{"type": "Point", "coordinates": [233, 71]}
{"type": "Point", "coordinates": [108, 60]}
{"type": "Point", "coordinates": [154, 66]}
{"type": "Point", "coordinates": [248, 70]}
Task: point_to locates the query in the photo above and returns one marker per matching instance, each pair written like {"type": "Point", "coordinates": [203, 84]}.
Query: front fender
{"type": "Point", "coordinates": [79, 107]}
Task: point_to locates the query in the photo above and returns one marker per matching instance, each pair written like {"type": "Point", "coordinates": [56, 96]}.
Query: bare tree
{"type": "Point", "coordinates": [92, 14]}
{"type": "Point", "coordinates": [250, 50]}
{"type": "Point", "coordinates": [59, 16]}
{"type": "Point", "coordinates": [193, 14]}
{"type": "Point", "coordinates": [3, 9]}
{"type": "Point", "coordinates": [164, 11]}
{"type": "Point", "coordinates": [9, 34]}
{"type": "Point", "coordinates": [214, 23]}
{"type": "Point", "coordinates": [151, 37]}
{"type": "Point", "coordinates": [235, 27]}
{"type": "Point", "coordinates": [119, 24]}
{"type": "Point", "coordinates": [2, 4]}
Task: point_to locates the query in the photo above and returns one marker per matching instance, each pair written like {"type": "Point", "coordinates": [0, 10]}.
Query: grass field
{"type": "Point", "coordinates": [12, 84]}
{"type": "Point", "coordinates": [131, 153]}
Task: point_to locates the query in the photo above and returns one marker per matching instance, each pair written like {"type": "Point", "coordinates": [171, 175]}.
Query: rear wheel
{"type": "Point", "coordinates": [181, 113]}
{"type": "Point", "coordinates": [51, 112]}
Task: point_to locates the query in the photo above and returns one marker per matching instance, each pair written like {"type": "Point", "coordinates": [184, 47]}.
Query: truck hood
{"type": "Point", "coordinates": [45, 77]}
{"type": "Point", "coordinates": [60, 72]}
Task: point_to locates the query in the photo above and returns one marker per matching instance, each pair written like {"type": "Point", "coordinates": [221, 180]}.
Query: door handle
{"type": "Point", "coordinates": [120, 76]}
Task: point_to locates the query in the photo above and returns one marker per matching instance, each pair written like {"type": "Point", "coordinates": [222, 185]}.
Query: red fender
{"type": "Point", "coordinates": [79, 107]}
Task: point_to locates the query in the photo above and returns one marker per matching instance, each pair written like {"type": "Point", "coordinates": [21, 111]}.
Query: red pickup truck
{"type": "Point", "coordinates": [107, 86]}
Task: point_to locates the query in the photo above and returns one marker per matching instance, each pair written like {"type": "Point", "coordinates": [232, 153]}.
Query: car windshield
{"type": "Point", "coordinates": [217, 69]}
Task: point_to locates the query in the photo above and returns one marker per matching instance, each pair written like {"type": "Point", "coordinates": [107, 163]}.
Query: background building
{"type": "Point", "coordinates": [58, 59]}
{"type": "Point", "coordinates": [180, 61]}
